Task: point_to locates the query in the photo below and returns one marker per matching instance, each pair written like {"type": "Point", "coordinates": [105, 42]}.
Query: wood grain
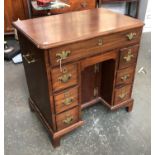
{"type": "Point", "coordinates": [98, 58]}
{"type": "Point", "coordinates": [83, 49]}
{"type": "Point", "coordinates": [12, 11]}
{"type": "Point", "coordinates": [126, 90]}
{"type": "Point", "coordinates": [125, 76]}
{"type": "Point", "coordinates": [56, 74]}
{"type": "Point", "coordinates": [36, 77]}
{"type": "Point", "coordinates": [60, 118]}
{"type": "Point", "coordinates": [75, 26]}
{"type": "Point", "coordinates": [124, 53]}
{"type": "Point", "coordinates": [61, 97]}
{"type": "Point", "coordinates": [88, 83]}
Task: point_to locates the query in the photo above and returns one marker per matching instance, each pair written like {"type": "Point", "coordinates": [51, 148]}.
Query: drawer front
{"type": "Point", "coordinates": [64, 79]}
{"type": "Point", "coordinates": [85, 4]}
{"type": "Point", "coordinates": [66, 100]}
{"type": "Point", "coordinates": [128, 56]}
{"type": "Point", "coordinates": [67, 118]}
{"type": "Point", "coordinates": [79, 50]}
{"type": "Point", "coordinates": [125, 76]}
{"type": "Point", "coordinates": [122, 94]}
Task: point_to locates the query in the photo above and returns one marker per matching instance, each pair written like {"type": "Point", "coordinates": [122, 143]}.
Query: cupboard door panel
{"type": "Point", "coordinates": [12, 11]}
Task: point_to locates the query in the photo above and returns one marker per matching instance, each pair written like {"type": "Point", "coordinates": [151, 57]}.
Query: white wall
{"type": "Point", "coordinates": [147, 21]}
{"type": "Point", "coordinates": [142, 9]}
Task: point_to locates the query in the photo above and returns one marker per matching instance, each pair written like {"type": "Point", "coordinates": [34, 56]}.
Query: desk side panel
{"type": "Point", "coordinates": [36, 77]}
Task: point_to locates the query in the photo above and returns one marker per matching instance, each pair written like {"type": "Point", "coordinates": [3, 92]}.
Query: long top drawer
{"type": "Point", "coordinates": [99, 44]}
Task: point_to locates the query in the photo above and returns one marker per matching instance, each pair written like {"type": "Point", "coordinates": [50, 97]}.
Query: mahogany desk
{"type": "Point", "coordinates": [75, 60]}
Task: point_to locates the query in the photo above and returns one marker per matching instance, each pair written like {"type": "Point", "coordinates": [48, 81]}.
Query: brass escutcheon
{"type": "Point", "coordinates": [125, 77]}
{"type": "Point", "coordinates": [131, 35]}
{"type": "Point", "coordinates": [129, 56]}
{"type": "Point", "coordinates": [65, 77]}
{"type": "Point", "coordinates": [68, 101]}
{"type": "Point", "coordinates": [63, 55]}
{"type": "Point", "coordinates": [100, 42]}
{"type": "Point", "coordinates": [122, 96]}
{"type": "Point", "coordinates": [84, 4]}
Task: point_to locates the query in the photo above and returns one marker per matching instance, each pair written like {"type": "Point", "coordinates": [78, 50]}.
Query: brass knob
{"type": "Point", "coordinates": [65, 78]}
{"type": "Point", "coordinates": [131, 36]}
{"type": "Point", "coordinates": [129, 56]}
{"type": "Point", "coordinates": [63, 55]}
{"type": "Point", "coordinates": [68, 101]}
{"type": "Point", "coordinates": [125, 77]}
{"type": "Point", "coordinates": [48, 13]}
{"type": "Point", "coordinates": [68, 120]}
{"type": "Point", "coordinates": [84, 4]}
{"type": "Point", "coordinates": [28, 58]}
{"type": "Point", "coordinates": [100, 42]}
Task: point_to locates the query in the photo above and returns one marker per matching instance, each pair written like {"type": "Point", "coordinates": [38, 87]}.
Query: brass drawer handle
{"type": "Point", "coordinates": [68, 120]}
{"type": "Point", "coordinates": [131, 36]}
{"type": "Point", "coordinates": [65, 77]}
{"type": "Point", "coordinates": [129, 56]}
{"type": "Point", "coordinates": [100, 42]}
{"type": "Point", "coordinates": [125, 77]}
{"type": "Point", "coordinates": [84, 4]}
{"type": "Point", "coordinates": [68, 101]}
{"type": "Point", "coordinates": [122, 96]}
{"type": "Point", "coordinates": [29, 59]}
{"type": "Point", "coordinates": [63, 55]}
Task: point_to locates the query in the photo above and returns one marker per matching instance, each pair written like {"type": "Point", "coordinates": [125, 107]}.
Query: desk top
{"type": "Point", "coordinates": [53, 31]}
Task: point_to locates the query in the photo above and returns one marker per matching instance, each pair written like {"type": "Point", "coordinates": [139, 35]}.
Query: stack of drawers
{"type": "Point", "coordinates": [125, 74]}
{"type": "Point", "coordinates": [66, 98]}
{"type": "Point", "coordinates": [65, 74]}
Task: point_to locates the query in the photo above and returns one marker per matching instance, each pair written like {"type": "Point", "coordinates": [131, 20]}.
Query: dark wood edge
{"type": "Point", "coordinates": [135, 45]}
{"type": "Point", "coordinates": [83, 38]}
{"type": "Point", "coordinates": [115, 75]}
{"type": "Point", "coordinates": [98, 53]}
{"type": "Point", "coordinates": [107, 56]}
{"type": "Point", "coordinates": [25, 8]}
{"type": "Point", "coordinates": [123, 104]}
{"type": "Point", "coordinates": [68, 129]}
{"type": "Point", "coordinates": [9, 33]}
{"type": "Point", "coordinates": [57, 134]}
{"type": "Point", "coordinates": [88, 104]}
{"type": "Point", "coordinates": [105, 103]}
{"type": "Point", "coordinates": [79, 88]}
{"type": "Point", "coordinates": [50, 89]}
{"type": "Point", "coordinates": [101, 100]}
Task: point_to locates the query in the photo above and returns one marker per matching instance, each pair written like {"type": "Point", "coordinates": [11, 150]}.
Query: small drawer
{"type": "Point", "coordinates": [122, 94]}
{"type": "Point", "coordinates": [128, 56]}
{"type": "Point", "coordinates": [64, 79]}
{"type": "Point", "coordinates": [67, 118]}
{"type": "Point", "coordinates": [66, 99]}
{"type": "Point", "coordinates": [85, 4]}
{"type": "Point", "coordinates": [82, 49]}
{"type": "Point", "coordinates": [125, 76]}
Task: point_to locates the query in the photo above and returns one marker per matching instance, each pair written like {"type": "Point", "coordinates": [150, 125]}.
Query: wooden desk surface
{"type": "Point", "coordinates": [52, 31]}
